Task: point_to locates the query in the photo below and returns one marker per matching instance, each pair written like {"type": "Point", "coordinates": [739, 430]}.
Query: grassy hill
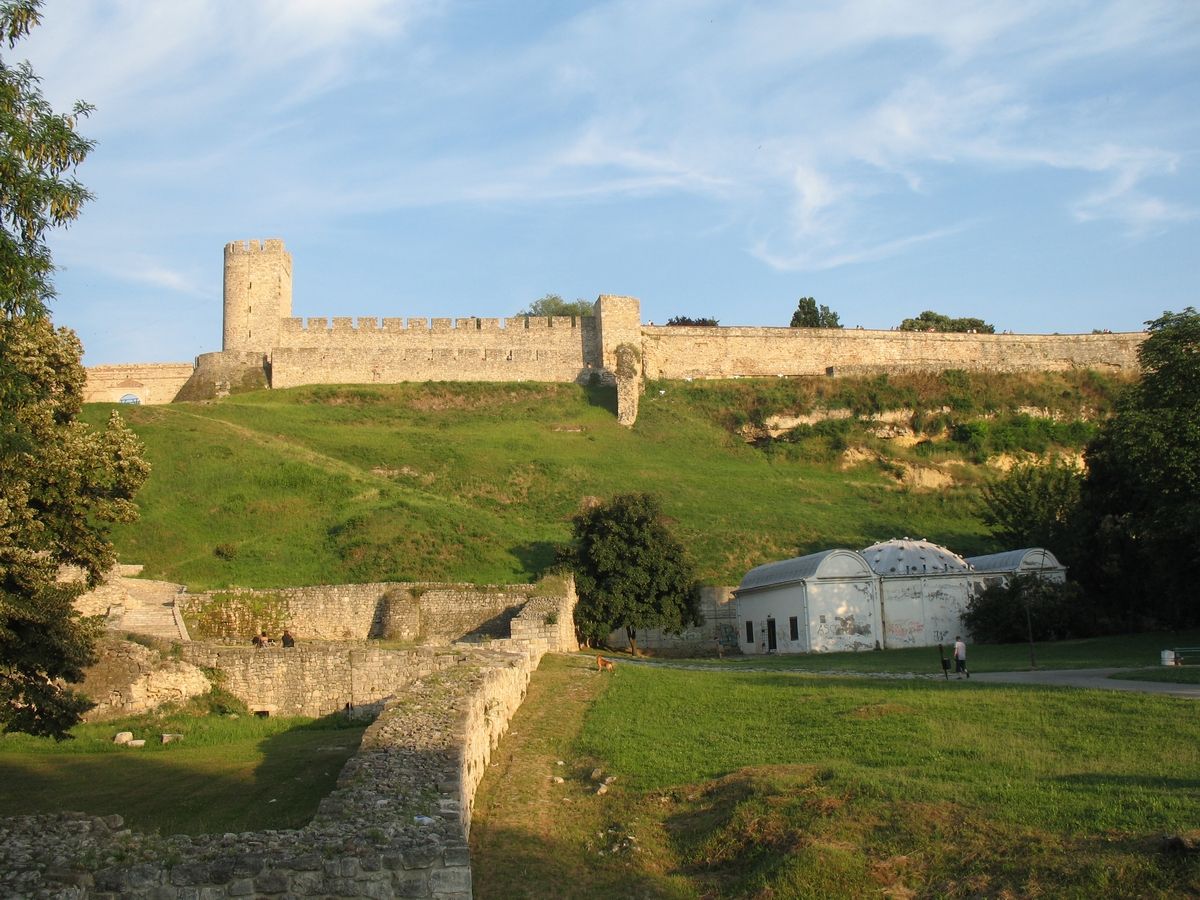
{"type": "Point", "coordinates": [477, 482]}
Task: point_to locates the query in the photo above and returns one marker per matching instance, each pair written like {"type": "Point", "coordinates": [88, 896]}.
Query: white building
{"type": "Point", "coordinates": [822, 602]}
{"type": "Point", "coordinates": [923, 590]}
{"type": "Point", "coordinates": [999, 568]}
{"type": "Point", "coordinates": [898, 593]}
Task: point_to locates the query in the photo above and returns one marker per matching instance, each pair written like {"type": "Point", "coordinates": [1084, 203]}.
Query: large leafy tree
{"type": "Point", "coordinates": [630, 571]}
{"type": "Point", "coordinates": [555, 305]}
{"type": "Point", "coordinates": [809, 315]}
{"type": "Point", "coordinates": [60, 482]}
{"type": "Point", "coordinates": [1142, 493]}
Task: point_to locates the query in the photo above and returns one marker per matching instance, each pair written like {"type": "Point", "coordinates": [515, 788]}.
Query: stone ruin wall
{"type": "Point", "coordinates": [396, 825]}
{"type": "Point", "coordinates": [429, 613]}
{"type": "Point", "coordinates": [316, 679]}
{"type": "Point", "coordinates": [718, 352]}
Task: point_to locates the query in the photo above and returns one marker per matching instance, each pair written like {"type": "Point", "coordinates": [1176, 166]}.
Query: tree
{"type": "Point", "coordinates": [687, 320]}
{"type": "Point", "coordinates": [1141, 498]}
{"type": "Point", "coordinates": [809, 315]}
{"type": "Point", "coordinates": [934, 321]}
{"type": "Point", "coordinates": [629, 571]}
{"type": "Point", "coordinates": [61, 482]}
{"type": "Point", "coordinates": [1037, 506]}
{"type": "Point", "coordinates": [554, 305]}
{"type": "Point", "coordinates": [1028, 607]}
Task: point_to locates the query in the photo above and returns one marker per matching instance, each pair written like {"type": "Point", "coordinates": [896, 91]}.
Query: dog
{"type": "Point", "coordinates": [602, 664]}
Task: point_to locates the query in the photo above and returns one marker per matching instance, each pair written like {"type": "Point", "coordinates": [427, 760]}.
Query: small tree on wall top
{"type": "Point", "coordinates": [555, 305]}
{"type": "Point", "coordinates": [630, 572]}
{"type": "Point", "coordinates": [935, 321]}
{"type": "Point", "coordinates": [809, 315]}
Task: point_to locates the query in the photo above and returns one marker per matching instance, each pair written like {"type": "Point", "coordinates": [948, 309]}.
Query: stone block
{"type": "Point", "coordinates": [189, 873]}
{"type": "Point", "coordinates": [411, 883]}
{"type": "Point", "coordinates": [273, 881]}
{"type": "Point", "coordinates": [450, 879]}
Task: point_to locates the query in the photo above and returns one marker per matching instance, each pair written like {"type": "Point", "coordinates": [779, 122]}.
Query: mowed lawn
{"type": "Point", "coordinates": [226, 774]}
{"type": "Point", "coordinates": [781, 784]}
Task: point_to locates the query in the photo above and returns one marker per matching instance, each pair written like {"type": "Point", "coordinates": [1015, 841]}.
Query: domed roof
{"type": "Point", "coordinates": [905, 556]}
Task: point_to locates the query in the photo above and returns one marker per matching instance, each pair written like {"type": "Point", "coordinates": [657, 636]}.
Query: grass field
{"type": "Point", "coordinates": [787, 785]}
{"type": "Point", "coordinates": [240, 774]}
{"type": "Point", "coordinates": [1169, 674]}
{"type": "Point", "coordinates": [477, 482]}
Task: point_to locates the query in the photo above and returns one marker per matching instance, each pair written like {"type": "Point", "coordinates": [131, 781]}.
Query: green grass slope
{"type": "Point", "coordinates": [478, 482]}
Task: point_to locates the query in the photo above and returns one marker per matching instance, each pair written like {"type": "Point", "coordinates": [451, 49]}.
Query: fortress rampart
{"type": "Point", "coordinates": [672, 352]}
{"type": "Point", "coordinates": [264, 345]}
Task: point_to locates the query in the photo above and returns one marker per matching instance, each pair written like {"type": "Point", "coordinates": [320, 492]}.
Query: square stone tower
{"type": "Point", "coordinates": [258, 294]}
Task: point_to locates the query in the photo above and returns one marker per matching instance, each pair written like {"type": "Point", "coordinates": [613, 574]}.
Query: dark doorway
{"type": "Point", "coordinates": [770, 635]}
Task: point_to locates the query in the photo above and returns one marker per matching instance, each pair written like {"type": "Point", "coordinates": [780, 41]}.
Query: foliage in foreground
{"type": "Point", "coordinates": [61, 483]}
{"type": "Point", "coordinates": [630, 571]}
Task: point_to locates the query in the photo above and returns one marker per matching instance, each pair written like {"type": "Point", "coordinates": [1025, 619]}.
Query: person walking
{"type": "Point", "coordinates": [960, 657]}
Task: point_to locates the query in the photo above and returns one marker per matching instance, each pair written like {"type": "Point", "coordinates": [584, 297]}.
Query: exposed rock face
{"type": "Point", "coordinates": [131, 678]}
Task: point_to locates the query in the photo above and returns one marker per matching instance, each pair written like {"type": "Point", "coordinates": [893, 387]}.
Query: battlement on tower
{"type": "Point", "coordinates": [268, 245]}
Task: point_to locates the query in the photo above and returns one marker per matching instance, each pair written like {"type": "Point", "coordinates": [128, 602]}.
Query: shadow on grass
{"type": "Point", "coordinates": [602, 396]}
{"type": "Point", "coordinates": [536, 557]}
{"type": "Point", "coordinates": [517, 864]}
{"type": "Point", "coordinates": [207, 786]}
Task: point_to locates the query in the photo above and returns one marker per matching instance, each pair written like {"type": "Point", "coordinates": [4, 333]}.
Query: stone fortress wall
{"type": "Point", "coordinates": [262, 340]}
{"type": "Point", "coordinates": [398, 822]}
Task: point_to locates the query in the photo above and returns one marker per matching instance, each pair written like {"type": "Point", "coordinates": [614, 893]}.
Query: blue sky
{"type": "Point", "coordinates": [1032, 163]}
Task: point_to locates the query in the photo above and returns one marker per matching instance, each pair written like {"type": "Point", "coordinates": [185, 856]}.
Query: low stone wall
{"type": "Point", "coordinates": [317, 679]}
{"type": "Point", "coordinates": [396, 826]}
{"type": "Point", "coordinates": [422, 612]}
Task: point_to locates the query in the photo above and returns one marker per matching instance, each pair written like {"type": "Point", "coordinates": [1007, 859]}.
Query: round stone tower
{"type": "Point", "coordinates": [258, 294]}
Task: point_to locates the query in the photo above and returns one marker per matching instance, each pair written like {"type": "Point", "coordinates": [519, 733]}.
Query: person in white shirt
{"type": "Point", "coordinates": [960, 657]}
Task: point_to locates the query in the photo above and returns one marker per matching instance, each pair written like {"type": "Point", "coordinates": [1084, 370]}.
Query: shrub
{"type": "Point", "coordinates": [225, 551]}
{"type": "Point", "coordinates": [997, 615]}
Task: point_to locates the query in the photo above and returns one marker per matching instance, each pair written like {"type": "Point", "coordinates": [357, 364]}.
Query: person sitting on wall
{"type": "Point", "coordinates": [286, 639]}
{"type": "Point", "coordinates": [259, 640]}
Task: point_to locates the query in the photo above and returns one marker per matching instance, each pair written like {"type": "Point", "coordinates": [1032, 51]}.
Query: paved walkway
{"type": "Point", "coordinates": [1080, 678]}
{"type": "Point", "coordinates": [1090, 678]}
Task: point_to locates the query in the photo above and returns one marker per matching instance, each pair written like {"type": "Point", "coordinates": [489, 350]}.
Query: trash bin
{"type": "Point", "coordinates": [1168, 657]}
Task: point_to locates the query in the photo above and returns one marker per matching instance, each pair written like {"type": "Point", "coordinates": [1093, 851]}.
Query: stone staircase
{"type": "Point", "coordinates": [137, 605]}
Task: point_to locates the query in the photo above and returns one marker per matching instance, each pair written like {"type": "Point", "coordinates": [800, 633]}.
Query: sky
{"type": "Point", "coordinates": [1035, 164]}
